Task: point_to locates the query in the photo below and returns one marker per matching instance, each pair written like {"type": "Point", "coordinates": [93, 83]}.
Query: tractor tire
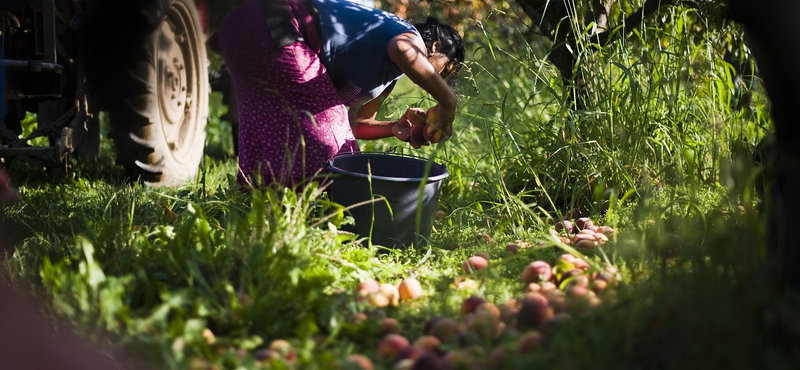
{"type": "Point", "coordinates": [158, 122]}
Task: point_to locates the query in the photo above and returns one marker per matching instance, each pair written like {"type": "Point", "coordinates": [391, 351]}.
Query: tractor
{"type": "Point", "coordinates": [140, 62]}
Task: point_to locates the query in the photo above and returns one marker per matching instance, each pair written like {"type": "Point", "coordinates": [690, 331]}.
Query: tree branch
{"type": "Point", "coordinates": [634, 20]}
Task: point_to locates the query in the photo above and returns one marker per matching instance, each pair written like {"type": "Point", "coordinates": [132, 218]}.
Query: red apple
{"type": "Point", "coordinates": [366, 287]}
{"type": "Point", "coordinates": [598, 286]}
{"type": "Point", "coordinates": [418, 136]}
{"type": "Point", "coordinates": [512, 247]}
{"type": "Point", "coordinates": [416, 116]}
{"type": "Point", "coordinates": [537, 271]}
{"type": "Point", "coordinates": [412, 352]}
{"type": "Point", "coordinates": [430, 361]}
{"type": "Point", "coordinates": [564, 225]}
{"type": "Point", "coordinates": [391, 345]}
{"type": "Point", "coordinates": [485, 322]}
{"type": "Point", "coordinates": [428, 342]}
{"type": "Point", "coordinates": [548, 286]}
{"type": "Point", "coordinates": [360, 361]}
{"type": "Point", "coordinates": [607, 230]}
{"type": "Point", "coordinates": [446, 329]}
{"type": "Point", "coordinates": [284, 348]}
{"type": "Point", "coordinates": [432, 116]}
{"type": "Point", "coordinates": [471, 304]}
{"type": "Point", "coordinates": [583, 222]}
{"type": "Point", "coordinates": [430, 322]}
{"type": "Point", "coordinates": [390, 325]}
{"type": "Point", "coordinates": [535, 309]}
{"type": "Point", "coordinates": [530, 342]}
{"type": "Point", "coordinates": [432, 133]}
{"type": "Point", "coordinates": [574, 277]}
{"type": "Point", "coordinates": [409, 288]}
{"type": "Point", "coordinates": [586, 244]}
{"type": "Point", "coordinates": [578, 237]}
{"type": "Point", "coordinates": [357, 318]}
{"type": "Point", "coordinates": [474, 263]}
{"type": "Point", "coordinates": [573, 261]}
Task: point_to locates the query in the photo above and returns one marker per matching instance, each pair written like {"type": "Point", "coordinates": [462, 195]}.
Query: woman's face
{"type": "Point", "coordinates": [442, 64]}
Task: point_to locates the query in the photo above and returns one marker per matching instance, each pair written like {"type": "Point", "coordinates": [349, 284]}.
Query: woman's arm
{"type": "Point", "coordinates": [408, 51]}
{"type": "Point", "coordinates": [364, 124]}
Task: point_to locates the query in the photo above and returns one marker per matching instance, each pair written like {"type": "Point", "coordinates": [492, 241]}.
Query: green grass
{"type": "Point", "coordinates": [658, 152]}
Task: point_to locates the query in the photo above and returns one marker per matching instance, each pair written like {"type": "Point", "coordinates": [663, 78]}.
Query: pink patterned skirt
{"type": "Point", "coordinates": [291, 120]}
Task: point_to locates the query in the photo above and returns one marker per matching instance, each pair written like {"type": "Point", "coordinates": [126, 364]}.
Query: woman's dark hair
{"type": "Point", "coordinates": [450, 42]}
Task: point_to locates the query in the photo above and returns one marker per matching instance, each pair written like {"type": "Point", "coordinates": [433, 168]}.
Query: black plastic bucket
{"type": "Point", "coordinates": [410, 186]}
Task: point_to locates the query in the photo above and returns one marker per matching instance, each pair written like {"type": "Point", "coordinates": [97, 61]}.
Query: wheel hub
{"type": "Point", "coordinates": [176, 76]}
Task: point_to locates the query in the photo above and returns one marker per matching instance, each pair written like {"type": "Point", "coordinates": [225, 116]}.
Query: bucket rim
{"type": "Point", "coordinates": [436, 178]}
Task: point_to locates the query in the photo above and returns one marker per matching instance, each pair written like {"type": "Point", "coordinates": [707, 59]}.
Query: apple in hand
{"type": "Point", "coordinates": [418, 137]}
{"type": "Point", "coordinates": [433, 132]}
{"type": "Point", "coordinates": [432, 116]}
{"type": "Point", "coordinates": [416, 116]}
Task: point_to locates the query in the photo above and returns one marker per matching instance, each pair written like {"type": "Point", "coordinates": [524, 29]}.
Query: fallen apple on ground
{"type": "Point", "coordinates": [474, 263]}
{"type": "Point", "coordinates": [513, 247]}
{"type": "Point", "coordinates": [471, 304]}
{"type": "Point", "coordinates": [360, 362]}
{"type": "Point", "coordinates": [534, 310]}
{"type": "Point", "coordinates": [537, 271]}
{"type": "Point", "coordinates": [391, 345]}
{"type": "Point", "coordinates": [366, 287]}
{"type": "Point", "coordinates": [409, 288]}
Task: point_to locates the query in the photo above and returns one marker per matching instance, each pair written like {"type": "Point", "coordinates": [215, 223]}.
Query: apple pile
{"type": "Point", "coordinates": [553, 296]}
{"type": "Point", "coordinates": [385, 294]}
{"type": "Point", "coordinates": [482, 334]}
{"type": "Point", "coordinates": [582, 233]}
{"type": "Point", "coordinates": [419, 127]}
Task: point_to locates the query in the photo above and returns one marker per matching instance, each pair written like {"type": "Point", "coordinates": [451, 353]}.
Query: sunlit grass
{"type": "Point", "coordinates": [152, 269]}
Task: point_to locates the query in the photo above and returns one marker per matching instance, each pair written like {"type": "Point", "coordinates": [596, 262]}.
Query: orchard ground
{"type": "Point", "coordinates": [670, 272]}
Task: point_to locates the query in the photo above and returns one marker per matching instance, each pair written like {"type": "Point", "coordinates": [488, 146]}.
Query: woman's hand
{"type": "Point", "coordinates": [446, 117]}
{"type": "Point", "coordinates": [412, 117]}
{"type": "Point", "coordinates": [409, 127]}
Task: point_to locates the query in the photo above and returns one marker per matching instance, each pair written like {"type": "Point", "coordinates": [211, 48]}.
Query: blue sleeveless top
{"type": "Point", "coordinates": [354, 40]}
